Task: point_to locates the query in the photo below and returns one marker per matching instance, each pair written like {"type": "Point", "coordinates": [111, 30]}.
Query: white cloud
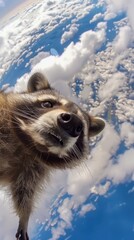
{"type": "Point", "coordinates": [130, 12]}
{"type": "Point", "coordinates": [40, 16]}
{"type": "Point", "coordinates": [86, 208]}
{"type": "Point", "coordinates": [101, 189]}
{"type": "Point", "coordinates": [96, 17]}
{"type": "Point", "coordinates": [7, 218]}
{"type": "Point", "coordinates": [35, 60]}
{"type": "Point", "coordinates": [127, 133]}
{"type": "Point", "coordinates": [131, 190]}
{"type": "Point", "coordinates": [102, 25]}
{"type": "Point", "coordinates": [61, 69]}
{"type": "Point", "coordinates": [123, 168]}
{"type": "Point", "coordinates": [58, 231]}
{"type": "Point", "coordinates": [114, 7]}
{"type": "Point", "coordinates": [65, 212]}
{"type": "Point", "coordinates": [69, 34]}
{"type": "Point", "coordinates": [109, 15]}
{"type": "Point", "coordinates": [21, 84]}
{"type": "Point", "coordinates": [118, 5]}
{"type": "Point", "coordinates": [124, 109]}
{"type": "Point", "coordinates": [123, 39]}
{"type": "Point", "coordinates": [112, 86]}
{"type": "Point", "coordinates": [65, 66]}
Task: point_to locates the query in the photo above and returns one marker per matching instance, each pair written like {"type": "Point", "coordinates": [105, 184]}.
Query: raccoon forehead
{"type": "Point", "coordinates": [34, 97]}
{"type": "Point", "coordinates": [44, 97]}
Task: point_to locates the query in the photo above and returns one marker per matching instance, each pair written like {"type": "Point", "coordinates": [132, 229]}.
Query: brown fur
{"type": "Point", "coordinates": [24, 162]}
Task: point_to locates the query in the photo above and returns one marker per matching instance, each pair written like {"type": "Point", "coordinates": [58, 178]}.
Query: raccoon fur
{"type": "Point", "coordinates": [40, 130]}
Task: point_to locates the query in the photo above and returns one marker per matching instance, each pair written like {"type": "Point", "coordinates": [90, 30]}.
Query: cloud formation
{"type": "Point", "coordinates": [122, 5]}
{"type": "Point", "coordinates": [124, 39]}
{"type": "Point", "coordinates": [70, 33]}
{"type": "Point", "coordinates": [37, 16]}
{"type": "Point", "coordinates": [61, 69]}
{"type": "Point", "coordinates": [105, 92]}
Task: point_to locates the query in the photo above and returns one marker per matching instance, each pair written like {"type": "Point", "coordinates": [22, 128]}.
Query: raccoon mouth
{"type": "Point", "coordinates": [57, 138]}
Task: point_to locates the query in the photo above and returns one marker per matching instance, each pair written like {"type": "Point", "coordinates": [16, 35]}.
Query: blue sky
{"type": "Point", "coordinates": [8, 5]}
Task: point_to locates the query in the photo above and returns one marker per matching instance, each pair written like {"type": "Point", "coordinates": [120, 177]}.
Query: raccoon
{"type": "Point", "coordinates": [40, 130]}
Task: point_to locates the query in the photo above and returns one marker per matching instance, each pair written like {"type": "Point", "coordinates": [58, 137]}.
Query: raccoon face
{"type": "Point", "coordinates": [54, 128]}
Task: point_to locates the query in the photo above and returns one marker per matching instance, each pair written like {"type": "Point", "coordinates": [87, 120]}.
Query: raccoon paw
{"type": "Point", "coordinates": [21, 235]}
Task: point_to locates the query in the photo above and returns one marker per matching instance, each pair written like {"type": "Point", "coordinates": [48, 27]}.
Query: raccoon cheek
{"type": "Point", "coordinates": [96, 126]}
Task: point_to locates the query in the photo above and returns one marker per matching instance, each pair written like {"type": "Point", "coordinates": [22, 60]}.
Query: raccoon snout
{"type": "Point", "coordinates": [70, 123]}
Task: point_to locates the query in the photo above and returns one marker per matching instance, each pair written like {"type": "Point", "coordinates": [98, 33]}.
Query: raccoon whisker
{"type": "Point", "coordinates": [29, 111]}
{"type": "Point", "coordinates": [76, 151]}
{"type": "Point", "coordinates": [20, 113]}
{"type": "Point", "coordinates": [65, 159]}
{"type": "Point", "coordinates": [24, 114]}
{"type": "Point", "coordinates": [88, 168]}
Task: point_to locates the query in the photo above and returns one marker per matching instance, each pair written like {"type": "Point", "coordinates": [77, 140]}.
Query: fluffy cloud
{"type": "Point", "coordinates": [7, 218]}
{"type": "Point", "coordinates": [112, 86]}
{"type": "Point", "coordinates": [86, 208]}
{"type": "Point", "coordinates": [39, 16]}
{"type": "Point", "coordinates": [123, 39]}
{"type": "Point", "coordinates": [130, 13]}
{"type": "Point", "coordinates": [61, 69]}
{"type": "Point", "coordinates": [38, 58]}
{"type": "Point", "coordinates": [114, 6]}
{"type": "Point", "coordinates": [69, 34]}
{"type": "Point", "coordinates": [65, 212]}
{"type": "Point", "coordinates": [127, 133]}
{"type": "Point", "coordinates": [65, 66]}
{"type": "Point", "coordinates": [123, 168]}
{"type": "Point", "coordinates": [96, 17]}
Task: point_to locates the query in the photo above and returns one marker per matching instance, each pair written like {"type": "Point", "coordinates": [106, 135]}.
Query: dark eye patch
{"type": "Point", "coordinates": [29, 110]}
{"type": "Point", "coordinates": [46, 104]}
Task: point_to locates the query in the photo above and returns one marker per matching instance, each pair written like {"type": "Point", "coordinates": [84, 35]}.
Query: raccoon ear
{"type": "Point", "coordinates": [37, 82]}
{"type": "Point", "coordinates": [96, 126]}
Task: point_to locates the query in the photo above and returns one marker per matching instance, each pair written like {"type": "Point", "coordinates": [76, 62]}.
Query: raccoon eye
{"type": "Point", "coordinates": [46, 104]}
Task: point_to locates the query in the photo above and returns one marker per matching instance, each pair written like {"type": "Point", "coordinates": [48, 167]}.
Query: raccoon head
{"type": "Point", "coordinates": [53, 127]}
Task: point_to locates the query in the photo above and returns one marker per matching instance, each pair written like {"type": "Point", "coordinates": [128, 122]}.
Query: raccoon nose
{"type": "Point", "coordinates": [70, 123]}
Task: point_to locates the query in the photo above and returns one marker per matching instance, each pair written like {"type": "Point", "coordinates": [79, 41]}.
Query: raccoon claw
{"type": "Point", "coordinates": [21, 235]}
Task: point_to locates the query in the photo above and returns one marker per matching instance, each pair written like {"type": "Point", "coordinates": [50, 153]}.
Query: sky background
{"type": "Point", "coordinates": [87, 51]}
{"type": "Point", "coordinates": [7, 6]}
